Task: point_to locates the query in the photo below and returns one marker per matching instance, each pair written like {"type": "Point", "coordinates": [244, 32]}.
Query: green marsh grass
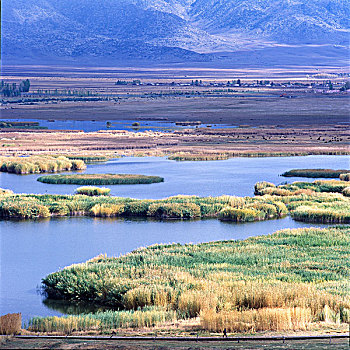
{"type": "Point", "coordinates": [284, 281]}
{"type": "Point", "coordinates": [272, 203]}
{"type": "Point", "coordinates": [100, 179]}
{"type": "Point", "coordinates": [314, 173]}
{"type": "Point", "coordinates": [93, 191]}
{"type": "Point", "coordinates": [88, 159]}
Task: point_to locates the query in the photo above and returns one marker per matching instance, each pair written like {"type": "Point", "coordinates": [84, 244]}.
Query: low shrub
{"type": "Point", "coordinates": [346, 192]}
{"type": "Point", "coordinates": [344, 177]}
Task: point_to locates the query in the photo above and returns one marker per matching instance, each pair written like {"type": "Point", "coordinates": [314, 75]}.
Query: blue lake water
{"type": "Point", "coordinates": [96, 125]}
{"type": "Point", "coordinates": [235, 176]}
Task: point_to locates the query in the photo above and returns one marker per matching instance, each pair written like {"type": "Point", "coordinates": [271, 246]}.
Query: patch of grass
{"type": "Point", "coordinates": [93, 191]}
{"type": "Point", "coordinates": [314, 173]}
{"type": "Point", "coordinates": [39, 164]}
{"type": "Point", "coordinates": [257, 284]}
{"type": "Point", "coordinates": [100, 179]}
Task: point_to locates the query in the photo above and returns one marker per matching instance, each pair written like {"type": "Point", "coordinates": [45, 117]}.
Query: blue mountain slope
{"type": "Point", "coordinates": [170, 30]}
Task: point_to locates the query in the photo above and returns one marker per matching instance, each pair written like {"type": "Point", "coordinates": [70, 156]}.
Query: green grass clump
{"type": "Point", "coordinates": [174, 210]}
{"type": "Point", "coordinates": [39, 164]}
{"type": "Point", "coordinates": [100, 179]}
{"type": "Point", "coordinates": [93, 191]}
{"type": "Point", "coordinates": [88, 159]}
{"type": "Point", "coordinates": [25, 208]}
{"type": "Point", "coordinates": [314, 173]}
{"type": "Point", "coordinates": [240, 215]}
{"type": "Point", "coordinates": [259, 186]}
{"type": "Point", "coordinates": [242, 282]}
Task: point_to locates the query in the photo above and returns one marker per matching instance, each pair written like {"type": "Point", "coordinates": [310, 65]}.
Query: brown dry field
{"type": "Point", "coordinates": [234, 142]}
{"type": "Point", "coordinates": [235, 110]}
{"type": "Point", "coordinates": [252, 106]}
{"type": "Point", "coordinates": [16, 343]}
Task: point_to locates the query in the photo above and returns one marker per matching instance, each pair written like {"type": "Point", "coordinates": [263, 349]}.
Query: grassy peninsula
{"type": "Point", "coordinates": [322, 201]}
{"type": "Point", "coordinates": [253, 285]}
{"type": "Point", "coordinates": [39, 164]}
{"type": "Point", "coordinates": [100, 179]}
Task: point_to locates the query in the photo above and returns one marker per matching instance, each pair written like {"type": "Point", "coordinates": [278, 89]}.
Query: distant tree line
{"type": "Point", "coordinates": [12, 89]}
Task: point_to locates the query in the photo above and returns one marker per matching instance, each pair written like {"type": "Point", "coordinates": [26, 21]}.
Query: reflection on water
{"type": "Point", "coordinates": [73, 308]}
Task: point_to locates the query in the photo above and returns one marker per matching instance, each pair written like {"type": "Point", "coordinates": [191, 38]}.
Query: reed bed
{"type": "Point", "coordinates": [178, 207]}
{"type": "Point", "coordinates": [89, 159]}
{"type": "Point", "coordinates": [183, 156]}
{"type": "Point", "coordinates": [314, 173]}
{"type": "Point", "coordinates": [39, 164]}
{"type": "Point", "coordinates": [257, 284]}
{"type": "Point", "coordinates": [100, 179]}
{"type": "Point", "coordinates": [272, 203]}
{"type": "Point", "coordinates": [319, 201]}
{"type": "Point", "coordinates": [296, 188]}
{"type": "Point", "coordinates": [100, 321]}
{"type": "Point", "coordinates": [10, 324]}
{"type": "Point", "coordinates": [323, 213]}
{"type": "Point", "coordinates": [265, 319]}
{"type": "Point", "coordinates": [93, 191]}
{"type": "Point", "coordinates": [208, 155]}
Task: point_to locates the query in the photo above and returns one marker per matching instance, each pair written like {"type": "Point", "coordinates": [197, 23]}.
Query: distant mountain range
{"type": "Point", "coordinates": [175, 30]}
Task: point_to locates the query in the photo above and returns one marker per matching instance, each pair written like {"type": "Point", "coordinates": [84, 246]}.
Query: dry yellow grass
{"type": "Point", "coordinates": [10, 324]}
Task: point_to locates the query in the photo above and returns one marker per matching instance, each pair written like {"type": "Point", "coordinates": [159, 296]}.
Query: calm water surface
{"type": "Point", "coordinates": [235, 176]}
{"type": "Point", "coordinates": [96, 125]}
